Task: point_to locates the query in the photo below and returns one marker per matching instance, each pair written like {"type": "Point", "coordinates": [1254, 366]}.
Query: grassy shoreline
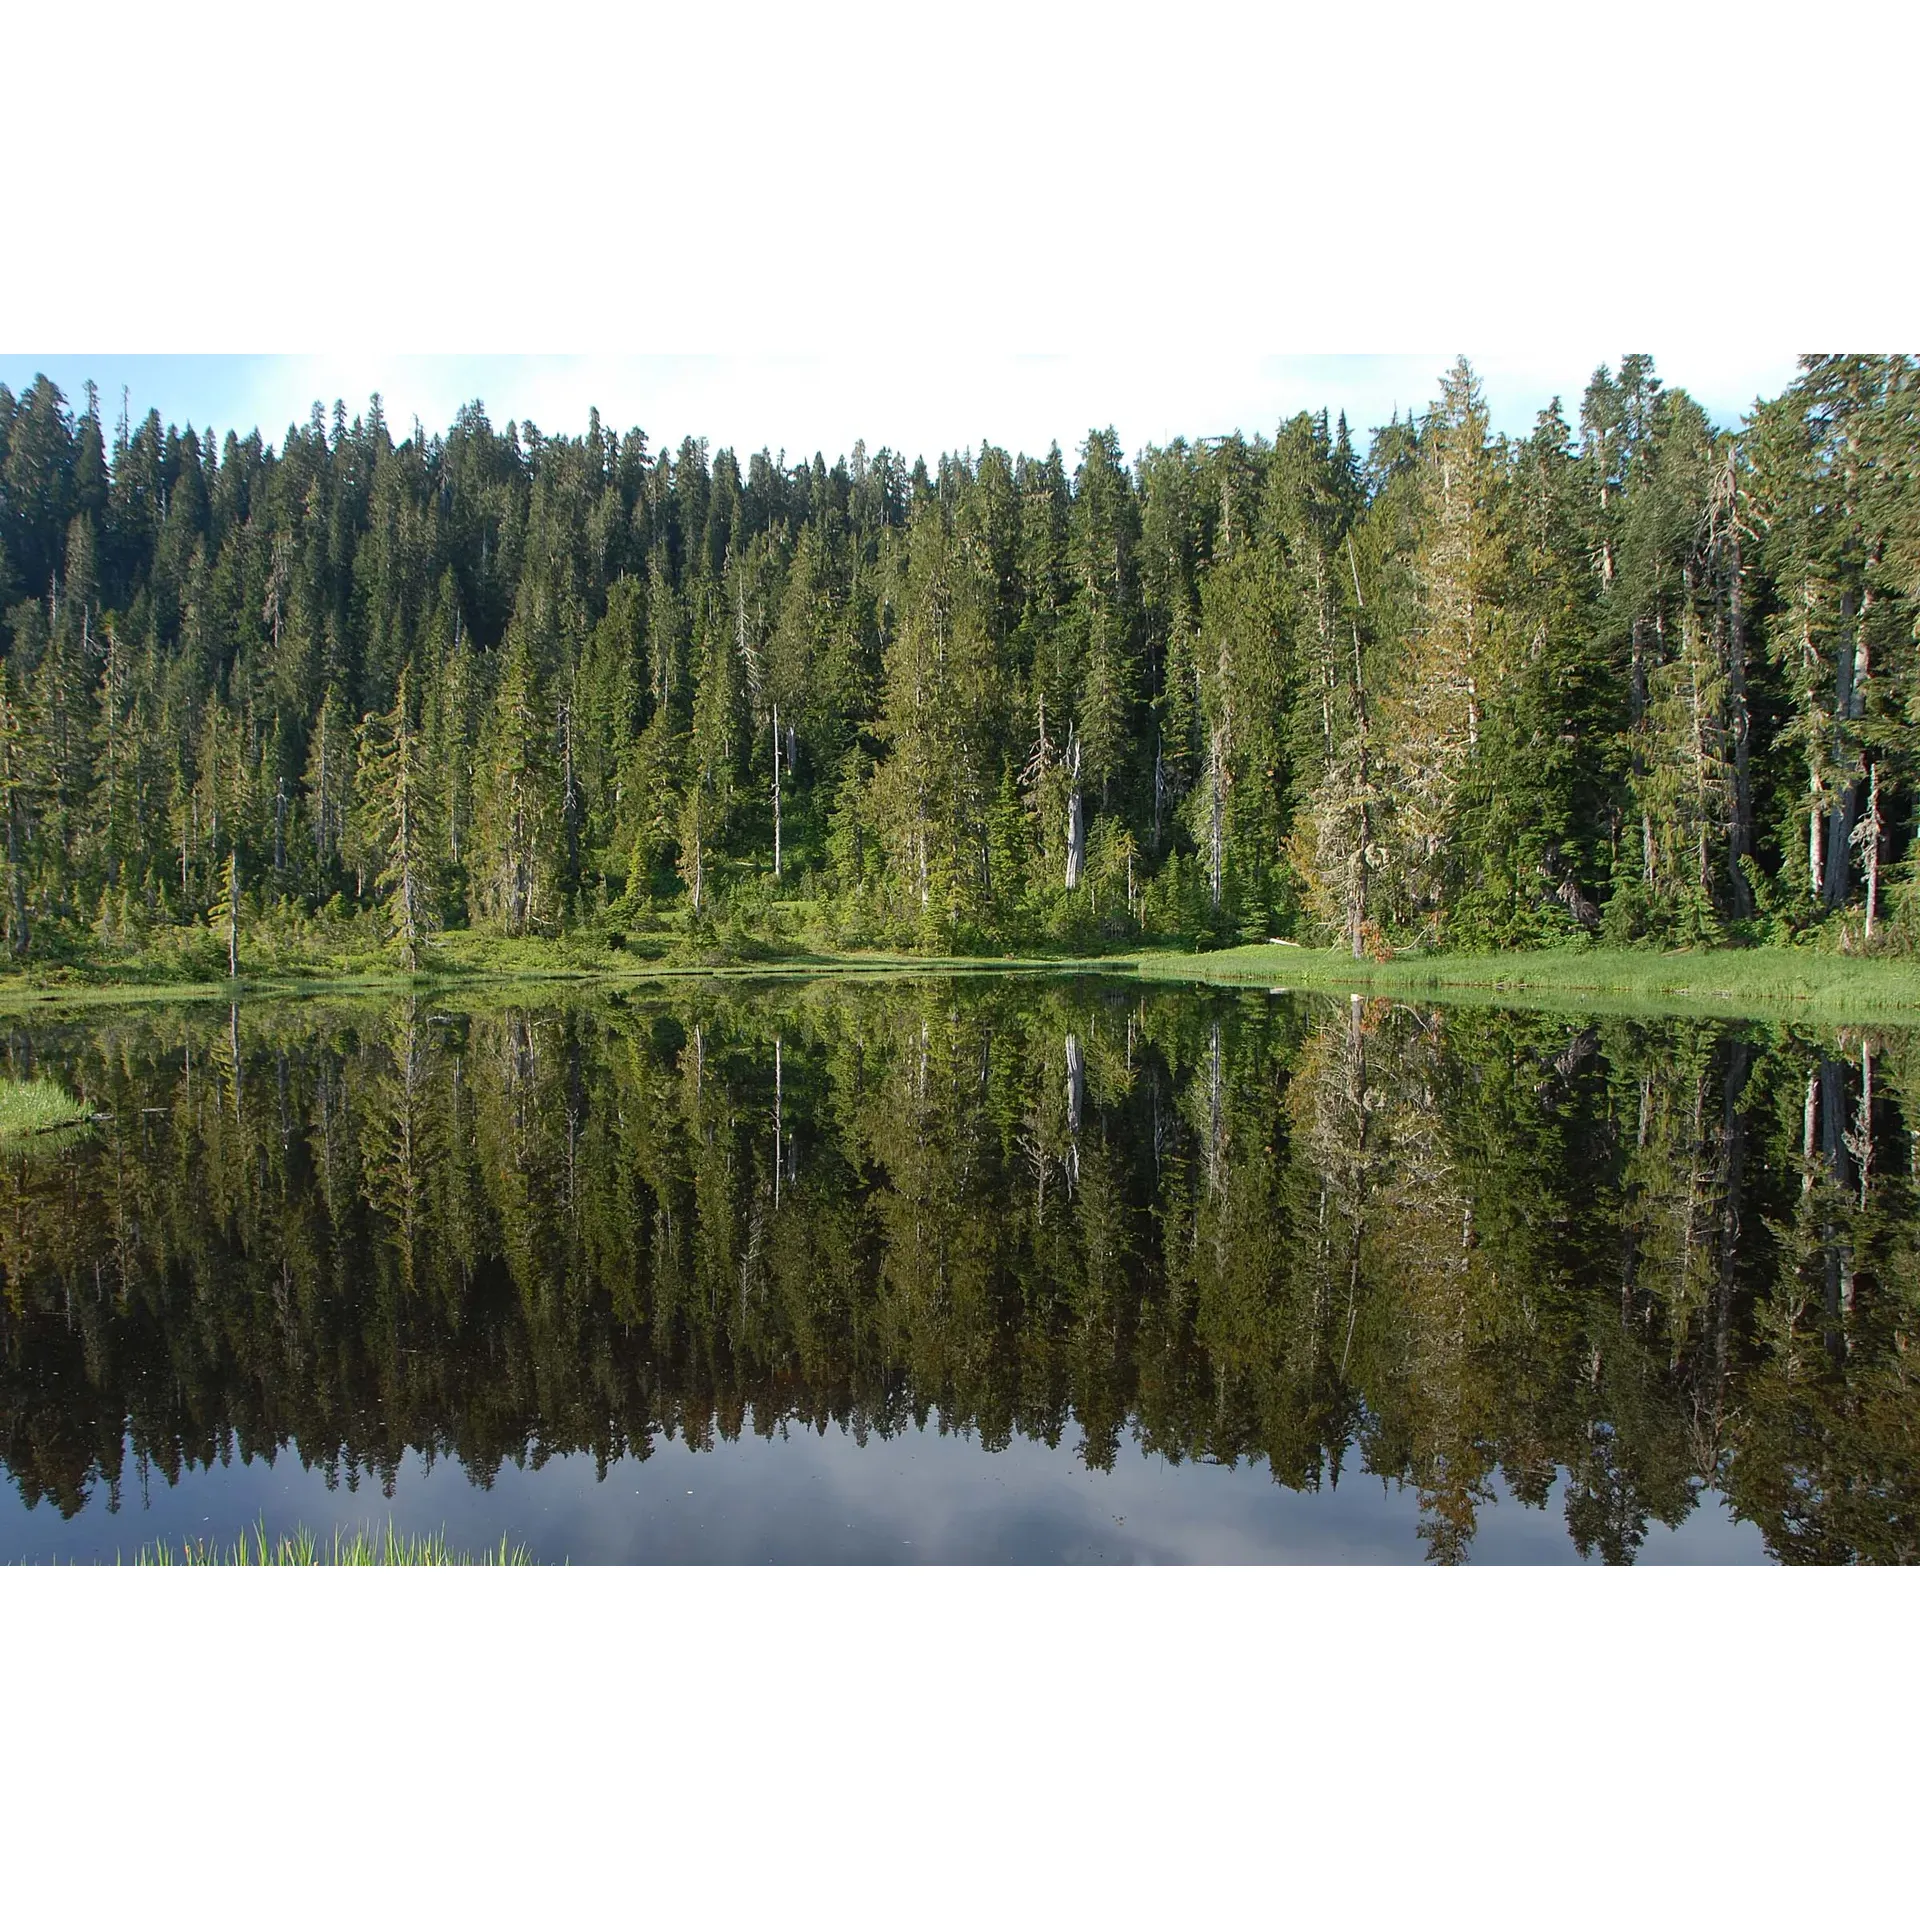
{"type": "Point", "coordinates": [522, 963]}
{"type": "Point", "coordinates": [1723, 983]}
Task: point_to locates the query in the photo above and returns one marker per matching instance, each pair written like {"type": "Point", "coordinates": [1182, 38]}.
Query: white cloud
{"type": "Point", "coordinates": [923, 403]}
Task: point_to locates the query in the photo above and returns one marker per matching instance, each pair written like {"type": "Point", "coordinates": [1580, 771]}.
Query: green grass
{"type": "Point", "coordinates": [1762, 980]}
{"type": "Point", "coordinates": [351, 1547]}
{"type": "Point", "coordinates": [1765, 981]}
{"type": "Point", "coordinates": [465, 960]}
{"type": "Point", "coordinates": [30, 1109]}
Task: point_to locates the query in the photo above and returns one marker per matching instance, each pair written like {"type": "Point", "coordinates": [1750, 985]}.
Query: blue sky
{"type": "Point", "coordinates": [921, 404]}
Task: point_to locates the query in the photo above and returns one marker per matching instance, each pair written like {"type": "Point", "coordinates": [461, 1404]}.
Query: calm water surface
{"type": "Point", "coordinates": [967, 1270]}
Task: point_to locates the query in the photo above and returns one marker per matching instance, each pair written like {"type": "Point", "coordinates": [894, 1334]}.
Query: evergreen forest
{"type": "Point", "coordinates": [1634, 678]}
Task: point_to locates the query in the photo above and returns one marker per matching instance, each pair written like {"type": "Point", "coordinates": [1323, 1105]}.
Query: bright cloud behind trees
{"type": "Point", "coordinates": [926, 404]}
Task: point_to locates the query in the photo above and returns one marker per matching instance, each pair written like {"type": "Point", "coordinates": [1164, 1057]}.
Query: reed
{"type": "Point", "coordinates": [32, 1108]}
{"type": "Point", "coordinates": [348, 1547]}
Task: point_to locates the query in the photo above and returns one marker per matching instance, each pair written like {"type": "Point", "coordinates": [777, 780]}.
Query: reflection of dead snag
{"type": "Point", "coordinates": [1579, 1050]}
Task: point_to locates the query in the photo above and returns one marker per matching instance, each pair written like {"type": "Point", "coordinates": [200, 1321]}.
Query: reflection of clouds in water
{"type": "Point", "coordinates": [807, 1497]}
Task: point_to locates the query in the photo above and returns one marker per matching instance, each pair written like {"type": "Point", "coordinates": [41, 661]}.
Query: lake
{"type": "Point", "coordinates": [965, 1268]}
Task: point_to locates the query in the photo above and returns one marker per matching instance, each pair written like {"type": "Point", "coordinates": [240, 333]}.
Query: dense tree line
{"type": "Point", "coordinates": [1631, 677]}
{"type": "Point", "coordinates": [1466, 1251]}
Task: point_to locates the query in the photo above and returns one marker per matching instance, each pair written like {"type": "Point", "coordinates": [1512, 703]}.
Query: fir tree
{"type": "Point", "coordinates": [516, 831]}
{"type": "Point", "coordinates": [396, 808]}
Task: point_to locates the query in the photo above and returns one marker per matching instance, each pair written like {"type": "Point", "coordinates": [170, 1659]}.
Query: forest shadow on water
{"type": "Point", "coordinates": [966, 1269]}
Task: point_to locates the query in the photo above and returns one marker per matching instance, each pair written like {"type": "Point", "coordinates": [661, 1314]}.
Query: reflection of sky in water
{"type": "Point", "coordinates": [811, 1497]}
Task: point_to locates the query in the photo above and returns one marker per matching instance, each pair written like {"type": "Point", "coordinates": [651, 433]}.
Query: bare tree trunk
{"type": "Point", "coordinates": [1216, 828]}
{"type": "Point", "coordinates": [776, 793]}
{"type": "Point", "coordinates": [1740, 834]}
{"type": "Point", "coordinates": [1159, 788]}
{"type": "Point", "coordinates": [1863, 1134]}
{"type": "Point", "coordinates": [1849, 675]}
{"type": "Point", "coordinates": [1215, 1142]}
{"type": "Point", "coordinates": [319, 810]}
{"type": "Point", "coordinates": [1357, 909]}
{"type": "Point", "coordinates": [18, 932]}
{"type": "Point", "coordinates": [1872, 826]}
{"type": "Point", "coordinates": [1076, 817]}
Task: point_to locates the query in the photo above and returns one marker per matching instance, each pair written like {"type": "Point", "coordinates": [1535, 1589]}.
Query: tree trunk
{"type": "Point", "coordinates": [1740, 831]}
{"type": "Point", "coordinates": [1357, 906]}
{"type": "Point", "coordinates": [18, 932]}
{"type": "Point", "coordinates": [1848, 678]}
{"type": "Point", "coordinates": [1159, 788]}
{"type": "Point", "coordinates": [1076, 818]}
{"type": "Point", "coordinates": [1872, 824]}
{"type": "Point", "coordinates": [776, 793]}
{"type": "Point", "coordinates": [319, 809]}
{"type": "Point", "coordinates": [569, 794]}
{"type": "Point", "coordinates": [1216, 826]}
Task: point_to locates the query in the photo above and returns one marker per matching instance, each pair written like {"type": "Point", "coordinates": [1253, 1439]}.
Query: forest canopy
{"type": "Point", "coordinates": [1633, 677]}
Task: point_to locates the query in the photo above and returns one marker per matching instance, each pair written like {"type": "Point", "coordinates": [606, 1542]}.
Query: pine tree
{"type": "Point", "coordinates": [1335, 806]}
{"type": "Point", "coordinates": [516, 833]}
{"type": "Point", "coordinates": [1490, 692]}
{"type": "Point", "coordinates": [1105, 637]}
{"type": "Point", "coordinates": [1235, 809]}
{"type": "Point", "coordinates": [329, 783]}
{"type": "Point", "coordinates": [707, 795]}
{"type": "Point", "coordinates": [1534, 805]}
{"type": "Point", "coordinates": [1431, 719]}
{"type": "Point", "coordinates": [22, 786]}
{"type": "Point", "coordinates": [226, 913]}
{"type": "Point", "coordinates": [396, 806]}
{"type": "Point", "coordinates": [1685, 790]}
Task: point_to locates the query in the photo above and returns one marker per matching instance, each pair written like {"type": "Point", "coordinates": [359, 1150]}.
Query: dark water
{"type": "Point", "coordinates": [975, 1269]}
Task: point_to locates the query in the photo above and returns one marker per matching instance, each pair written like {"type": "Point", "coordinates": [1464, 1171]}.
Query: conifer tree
{"type": "Point", "coordinates": [707, 800]}
{"type": "Point", "coordinates": [21, 785]}
{"type": "Point", "coordinates": [1646, 677]}
{"type": "Point", "coordinates": [516, 829]}
{"type": "Point", "coordinates": [1431, 720]}
{"type": "Point", "coordinates": [394, 796]}
{"type": "Point", "coordinates": [226, 913]}
{"type": "Point", "coordinates": [329, 783]}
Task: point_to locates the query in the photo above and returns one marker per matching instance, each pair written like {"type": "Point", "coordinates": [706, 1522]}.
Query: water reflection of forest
{"type": "Point", "coordinates": [1433, 1245]}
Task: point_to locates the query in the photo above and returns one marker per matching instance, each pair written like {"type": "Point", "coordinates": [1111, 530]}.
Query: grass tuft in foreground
{"type": "Point", "coordinates": [32, 1107]}
{"type": "Point", "coordinates": [349, 1547]}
